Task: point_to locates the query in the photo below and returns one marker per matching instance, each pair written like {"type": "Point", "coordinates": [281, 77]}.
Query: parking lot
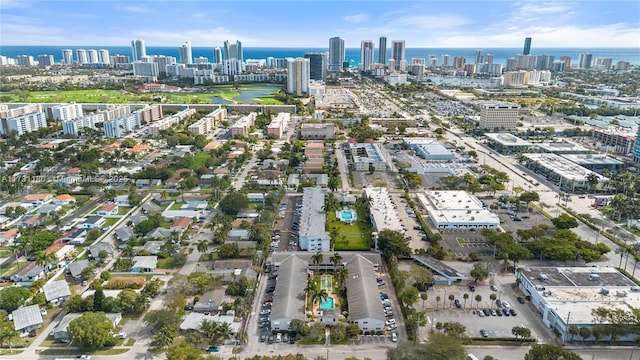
{"type": "Point", "coordinates": [465, 242]}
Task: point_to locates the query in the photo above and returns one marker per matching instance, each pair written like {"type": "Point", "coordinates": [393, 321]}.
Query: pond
{"type": "Point", "coordinates": [246, 96]}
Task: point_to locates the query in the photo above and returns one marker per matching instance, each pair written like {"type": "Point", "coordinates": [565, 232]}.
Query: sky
{"type": "Point", "coordinates": [306, 23]}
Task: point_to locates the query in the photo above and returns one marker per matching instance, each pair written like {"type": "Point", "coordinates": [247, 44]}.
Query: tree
{"type": "Point", "coordinates": [393, 243]}
{"type": "Point", "coordinates": [479, 272]}
{"type": "Point", "coordinates": [301, 327]}
{"type": "Point", "coordinates": [465, 296]}
{"type": "Point", "coordinates": [317, 258]}
{"type": "Point", "coordinates": [529, 196]}
{"type": "Point", "coordinates": [12, 297]}
{"type": "Point", "coordinates": [565, 221]}
{"type": "Point", "coordinates": [409, 296]}
{"type": "Point", "coordinates": [336, 259]}
{"type": "Point", "coordinates": [584, 333]}
{"type": "Point", "coordinates": [438, 298]}
{"type": "Point", "coordinates": [233, 203]}
{"type": "Point", "coordinates": [478, 298]}
{"type": "Point", "coordinates": [98, 298]}
{"type": "Point", "coordinates": [422, 276]}
{"type": "Point", "coordinates": [413, 179]}
{"type": "Point", "coordinates": [451, 298]}
{"type": "Point", "coordinates": [443, 347]}
{"type": "Point", "coordinates": [91, 330]}
{"type": "Point", "coordinates": [493, 298]}
{"type": "Point", "coordinates": [184, 351]}
{"type": "Point", "coordinates": [521, 331]}
{"type": "Point", "coordinates": [316, 331]}
{"type": "Point", "coordinates": [164, 336]}
{"type": "Point", "coordinates": [424, 297]}
{"type": "Point", "coordinates": [7, 333]}
{"type": "Point", "coordinates": [338, 332]}
{"type": "Point", "coordinates": [454, 329]}
{"type": "Point", "coordinates": [550, 352]}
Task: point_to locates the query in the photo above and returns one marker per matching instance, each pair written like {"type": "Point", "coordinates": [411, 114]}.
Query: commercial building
{"type": "Point", "coordinates": [562, 147]}
{"type": "Point", "coordinates": [367, 156]}
{"type": "Point", "coordinates": [66, 112]}
{"type": "Point", "coordinates": [457, 210]}
{"type": "Point", "coordinates": [317, 66]}
{"type": "Point", "coordinates": [506, 143]}
{"type": "Point", "coordinates": [312, 234]}
{"type": "Point", "coordinates": [276, 127]}
{"type": "Point", "coordinates": [595, 162]}
{"type": "Point", "coordinates": [242, 126]}
{"type": "Point", "coordinates": [298, 73]}
{"type": "Point", "coordinates": [336, 54]}
{"type": "Point", "coordinates": [366, 55]}
{"type": "Point", "coordinates": [564, 173]}
{"type": "Point", "coordinates": [382, 212]}
{"type": "Point", "coordinates": [429, 149]}
{"type": "Point", "coordinates": [311, 131]}
{"type": "Point", "coordinates": [567, 296]}
{"type": "Point", "coordinates": [498, 115]}
{"type": "Point", "coordinates": [618, 141]}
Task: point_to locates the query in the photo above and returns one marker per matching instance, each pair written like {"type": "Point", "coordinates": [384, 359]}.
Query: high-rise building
{"type": "Point", "coordinates": [24, 123]}
{"type": "Point", "coordinates": [45, 60]}
{"type": "Point", "coordinates": [498, 115]}
{"type": "Point", "coordinates": [366, 55]}
{"type": "Point", "coordinates": [479, 57]}
{"type": "Point", "coordinates": [120, 59]}
{"type": "Point", "coordinates": [603, 63]}
{"type": "Point", "coordinates": [488, 59]}
{"type": "Point", "coordinates": [186, 57]}
{"type": "Point", "coordinates": [217, 55]}
{"type": "Point", "coordinates": [584, 62]}
{"type": "Point", "coordinates": [233, 51]}
{"type": "Point", "coordinates": [66, 112]}
{"type": "Point", "coordinates": [67, 56]}
{"type": "Point", "coordinates": [527, 46]}
{"type": "Point", "coordinates": [382, 50]}
{"type": "Point", "coordinates": [147, 69]}
{"type": "Point", "coordinates": [81, 55]}
{"type": "Point", "coordinates": [298, 76]}
{"type": "Point", "coordinates": [336, 54]}
{"type": "Point", "coordinates": [567, 61]}
{"type": "Point", "coordinates": [544, 62]}
{"type": "Point", "coordinates": [622, 65]}
{"type": "Point", "coordinates": [92, 56]}
{"type": "Point", "coordinates": [317, 66]}
{"type": "Point", "coordinates": [25, 60]}
{"type": "Point", "coordinates": [397, 51]}
{"type": "Point", "coordinates": [458, 62]}
{"type": "Point", "coordinates": [103, 56]}
{"type": "Point", "coordinates": [138, 50]}
{"type": "Point", "coordinates": [163, 61]}
{"type": "Point", "coordinates": [445, 60]}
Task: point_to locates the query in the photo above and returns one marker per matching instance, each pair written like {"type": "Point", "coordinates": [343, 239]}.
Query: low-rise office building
{"type": "Point", "coordinates": [595, 162]}
{"type": "Point", "coordinates": [367, 156]}
{"type": "Point", "coordinates": [564, 173]}
{"type": "Point", "coordinates": [506, 143]}
{"type": "Point", "coordinates": [457, 210]}
{"type": "Point", "coordinates": [429, 149]}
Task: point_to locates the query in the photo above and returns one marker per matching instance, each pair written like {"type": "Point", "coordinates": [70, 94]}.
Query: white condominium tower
{"type": "Point", "coordinates": [233, 51]}
{"type": "Point", "coordinates": [67, 57]}
{"type": "Point", "coordinates": [185, 53]}
{"type": "Point", "coordinates": [138, 50]}
{"type": "Point", "coordinates": [397, 52]}
{"type": "Point", "coordinates": [366, 55]}
{"type": "Point", "coordinates": [336, 54]}
{"type": "Point", "coordinates": [298, 76]}
{"type": "Point", "coordinates": [217, 55]}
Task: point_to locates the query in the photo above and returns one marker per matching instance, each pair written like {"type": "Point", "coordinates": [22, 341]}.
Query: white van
{"type": "Point", "coordinates": [279, 338]}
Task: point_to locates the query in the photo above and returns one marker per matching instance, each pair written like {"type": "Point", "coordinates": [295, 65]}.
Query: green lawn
{"type": "Point", "coordinates": [354, 237]}
{"type": "Point", "coordinates": [200, 158]}
{"type": "Point", "coordinates": [123, 210]}
{"type": "Point", "coordinates": [110, 221]}
{"type": "Point", "coordinates": [175, 206]}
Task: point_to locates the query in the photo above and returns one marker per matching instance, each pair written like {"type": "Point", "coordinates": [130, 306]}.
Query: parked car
{"type": "Point", "coordinates": [285, 338]}
{"type": "Point", "coordinates": [505, 304]}
{"type": "Point", "coordinates": [484, 333]}
{"type": "Point", "coordinates": [292, 339]}
{"type": "Point", "coordinates": [270, 339]}
{"type": "Point", "coordinates": [512, 312]}
{"type": "Point", "coordinates": [505, 312]}
{"type": "Point", "coordinates": [520, 299]}
{"type": "Point", "coordinates": [494, 313]}
{"type": "Point", "coordinates": [487, 312]}
{"type": "Point", "coordinates": [394, 337]}
{"type": "Point", "coordinates": [213, 349]}
{"type": "Point", "coordinates": [472, 288]}
{"type": "Point", "coordinates": [480, 313]}
{"type": "Point", "coordinates": [263, 338]}
{"type": "Point", "coordinates": [457, 303]}
{"type": "Point", "coordinates": [498, 303]}
{"type": "Point", "coordinates": [494, 288]}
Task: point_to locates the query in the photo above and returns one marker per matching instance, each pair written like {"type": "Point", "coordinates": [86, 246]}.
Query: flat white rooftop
{"type": "Point", "coordinates": [563, 167]}
{"type": "Point", "coordinates": [562, 147]}
{"type": "Point", "coordinates": [382, 210]}
{"type": "Point", "coordinates": [507, 139]}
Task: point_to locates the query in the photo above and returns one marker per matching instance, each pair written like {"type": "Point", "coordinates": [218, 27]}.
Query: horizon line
{"type": "Point", "coordinates": [307, 47]}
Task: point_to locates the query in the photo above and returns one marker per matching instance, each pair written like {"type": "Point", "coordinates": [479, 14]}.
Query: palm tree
{"type": "Point", "coordinates": [164, 336]}
{"type": "Point", "coordinates": [478, 298]}
{"type": "Point", "coordinates": [451, 298]}
{"type": "Point", "coordinates": [438, 298]}
{"type": "Point", "coordinates": [203, 246]}
{"type": "Point", "coordinates": [424, 297]}
{"type": "Point", "coordinates": [317, 258]}
{"type": "Point", "coordinates": [335, 259]}
{"type": "Point", "coordinates": [42, 259]}
{"type": "Point", "coordinates": [223, 331]}
{"type": "Point", "coordinates": [465, 296]}
{"type": "Point", "coordinates": [493, 298]}
{"type": "Point", "coordinates": [342, 274]}
{"type": "Point", "coordinates": [208, 328]}
{"type": "Point", "coordinates": [127, 251]}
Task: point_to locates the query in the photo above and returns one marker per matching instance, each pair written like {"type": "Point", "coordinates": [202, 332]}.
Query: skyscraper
{"type": "Point", "coordinates": [217, 55]}
{"type": "Point", "coordinates": [584, 61]}
{"type": "Point", "coordinates": [488, 59]}
{"type": "Point", "coordinates": [67, 56]}
{"type": "Point", "coordinates": [317, 66]}
{"type": "Point", "coordinates": [336, 54]}
{"type": "Point", "coordinates": [382, 50]}
{"type": "Point", "coordinates": [233, 51]}
{"type": "Point", "coordinates": [479, 57]}
{"type": "Point", "coordinates": [92, 56]}
{"type": "Point", "coordinates": [397, 51]}
{"type": "Point", "coordinates": [103, 56]}
{"type": "Point", "coordinates": [366, 55]}
{"type": "Point", "coordinates": [527, 46]}
{"type": "Point", "coordinates": [138, 49]}
{"type": "Point", "coordinates": [185, 53]}
{"type": "Point", "coordinates": [298, 76]}
{"type": "Point", "coordinates": [445, 60]}
{"type": "Point", "coordinates": [81, 54]}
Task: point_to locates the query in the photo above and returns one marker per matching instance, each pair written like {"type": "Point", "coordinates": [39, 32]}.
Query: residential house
{"type": "Point", "coordinates": [75, 268]}
{"type": "Point", "coordinates": [56, 292]}
{"type": "Point", "coordinates": [180, 224]}
{"type": "Point", "coordinates": [75, 236]}
{"type": "Point", "coordinates": [157, 198]}
{"type": "Point", "coordinates": [95, 249]}
{"type": "Point", "coordinates": [48, 209]}
{"type": "Point", "coordinates": [137, 219]}
{"type": "Point", "coordinates": [109, 209]}
{"type": "Point", "coordinates": [144, 264]}
{"type": "Point", "coordinates": [122, 200]}
{"type": "Point", "coordinates": [256, 197]}
{"type": "Point", "coordinates": [152, 247]}
{"type": "Point", "coordinates": [194, 204]}
{"type": "Point", "coordinates": [124, 234]}
{"type": "Point", "coordinates": [64, 199]}
{"type": "Point", "coordinates": [93, 222]}
{"type": "Point", "coordinates": [27, 319]}
{"type": "Point", "coordinates": [29, 221]}
{"type": "Point", "coordinates": [37, 199]}
{"type": "Point", "coordinates": [176, 178]}
{"type": "Point", "coordinates": [61, 333]}
{"type": "Point", "coordinates": [158, 233]}
{"type": "Point", "coordinates": [193, 320]}
{"type": "Point", "coordinates": [9, 236]}
{"type": "Point", "coordinates": [148, 183]}
{"type": "Point", "coordinates": [206, 180]}
{"type": "Point", "coordinates": [60, 249]}
{"type": "Point", "coordinates": [29, 273]}
{"type": "Point", "coordinates": [238, 234]}
{"type": "Point", "coordinates": [170, 215]}
{"type": "Point", "coordinates": [150, 208]}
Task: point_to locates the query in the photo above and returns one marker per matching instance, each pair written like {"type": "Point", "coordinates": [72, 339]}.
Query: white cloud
{"type": "Point", "coordinates": [13, 4]}
{"type": "Point", "coordinates": [422, 22]}
{"type": "Point", "coordinates": [356, 19]}
{"type": "Point", "coordinates": [136, 9]}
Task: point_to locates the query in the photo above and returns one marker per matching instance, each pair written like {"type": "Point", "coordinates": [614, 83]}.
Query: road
{"type": "Point", "coordinates": [343, 167]}
{"type": "Point", "coordinates": [242, 177]}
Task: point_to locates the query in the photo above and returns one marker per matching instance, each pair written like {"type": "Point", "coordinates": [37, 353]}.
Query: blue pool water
{"type": "Point", "coordinates": [327, 303]}
{"type": "Point", "coordinates": [346, 215]}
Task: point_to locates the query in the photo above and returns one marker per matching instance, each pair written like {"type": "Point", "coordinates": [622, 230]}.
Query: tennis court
{"type": "Point", "coordinates": [326, 282]}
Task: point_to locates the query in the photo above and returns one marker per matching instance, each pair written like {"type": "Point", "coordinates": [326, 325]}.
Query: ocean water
{"type": "Point", "coordinates": [500, 55]}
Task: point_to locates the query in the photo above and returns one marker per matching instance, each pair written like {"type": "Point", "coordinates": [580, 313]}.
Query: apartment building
{"type": "Point", "coordinates": [242, 126]}
{"type": "Point", "coordinates": [277, 125]}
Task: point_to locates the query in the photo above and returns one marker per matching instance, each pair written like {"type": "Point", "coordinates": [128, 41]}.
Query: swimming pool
{"type": "Point", "coordinates": [327, 303]}
{"type": "Point", "coordinates": [347, 215]}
